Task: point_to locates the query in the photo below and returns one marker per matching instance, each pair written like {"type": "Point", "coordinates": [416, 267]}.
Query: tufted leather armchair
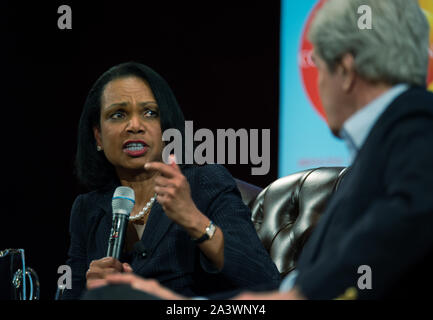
{"type": "Point", "coordinates": [286, 211]}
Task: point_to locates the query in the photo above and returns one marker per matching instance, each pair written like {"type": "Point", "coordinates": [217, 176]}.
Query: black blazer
{"type": "Point", "coordinates": [382, 213]}
{"type": "Point", "coordinates": [171, 257]}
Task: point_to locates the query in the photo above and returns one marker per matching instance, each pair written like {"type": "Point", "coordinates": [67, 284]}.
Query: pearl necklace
{"type": "Point", "coordinates": [143, 211]}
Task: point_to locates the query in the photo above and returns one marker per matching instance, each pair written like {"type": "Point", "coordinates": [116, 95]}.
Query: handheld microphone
{"type": "Point", "coordinates": [123, 201]}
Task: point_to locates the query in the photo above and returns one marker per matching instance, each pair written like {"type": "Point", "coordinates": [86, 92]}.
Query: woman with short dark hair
{"type": "Point", "coordinates": [93, 169]}
{"type": "Point", "coordinates": [194, 232]}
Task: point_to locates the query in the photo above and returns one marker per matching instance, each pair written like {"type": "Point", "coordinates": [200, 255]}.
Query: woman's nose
{"type": "Point", "coordinates": [135, 125]}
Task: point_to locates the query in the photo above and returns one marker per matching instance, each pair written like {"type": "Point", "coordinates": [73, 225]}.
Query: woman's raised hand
{"type": "Point", "coordinates": [173, 193]}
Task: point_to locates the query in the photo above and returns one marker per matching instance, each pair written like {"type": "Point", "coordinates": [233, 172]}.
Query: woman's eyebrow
{"type": "Point", "coordinates": [124, 104]}
{"type": "Point", "coordinates": [117, 104]}
{"type": "Point", "coordinates": [144, 104]}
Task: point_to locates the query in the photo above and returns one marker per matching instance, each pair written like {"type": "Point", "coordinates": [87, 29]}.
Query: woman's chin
{"type": "Point", "coordinates": [136, 165]}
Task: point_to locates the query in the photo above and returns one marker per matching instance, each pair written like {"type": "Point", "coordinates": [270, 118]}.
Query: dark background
{"type": "Point", "coordinates": [221, 59]}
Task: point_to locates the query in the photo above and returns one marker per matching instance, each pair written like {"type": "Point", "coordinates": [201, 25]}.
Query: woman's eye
{"type": "Point", "coordinates": [117, 115]}
{"type": "Point", "coordinates": [150, 113]}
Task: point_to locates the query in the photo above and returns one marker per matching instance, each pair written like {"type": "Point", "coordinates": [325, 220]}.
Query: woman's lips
{"type": "Point", "coordinates": [135, 148]}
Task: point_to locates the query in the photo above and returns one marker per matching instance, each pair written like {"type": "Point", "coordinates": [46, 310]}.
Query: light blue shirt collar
{"type": "Point", "coordinates": [357, 128]}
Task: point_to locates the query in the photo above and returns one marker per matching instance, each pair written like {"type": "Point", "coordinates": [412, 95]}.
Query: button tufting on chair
{"type": "Point", "coordinates": [286, 211]}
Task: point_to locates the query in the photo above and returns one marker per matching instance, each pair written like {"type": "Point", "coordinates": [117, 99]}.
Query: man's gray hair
{"type": "Point", "coordinates": [394, 50]}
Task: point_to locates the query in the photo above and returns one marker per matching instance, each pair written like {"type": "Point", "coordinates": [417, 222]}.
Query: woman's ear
{"type": "Point", "coordinates": [97, 135]}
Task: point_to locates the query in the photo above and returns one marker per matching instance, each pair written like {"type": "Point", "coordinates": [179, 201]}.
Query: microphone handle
{"type": "Point", "coordinates": [117, 235]}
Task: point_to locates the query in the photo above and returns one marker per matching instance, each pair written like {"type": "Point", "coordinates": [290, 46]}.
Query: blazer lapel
{"type": "Point", "coordinates": [105, 220]}
{"type": "Point", "coordinates": [156, 227]}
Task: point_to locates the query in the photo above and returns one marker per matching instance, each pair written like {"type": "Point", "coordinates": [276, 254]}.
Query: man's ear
{"type": "Point", "coordinates": [347, 65]}
{"type": "Point", "coordinates": [97, 135]}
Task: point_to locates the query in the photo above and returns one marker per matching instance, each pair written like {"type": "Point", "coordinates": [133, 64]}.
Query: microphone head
{"type": "Point", "coordinates": [123, 200]}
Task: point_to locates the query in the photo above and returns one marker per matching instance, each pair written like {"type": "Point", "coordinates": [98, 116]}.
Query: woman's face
{"type": "Point", "coordinates": [130, 127]}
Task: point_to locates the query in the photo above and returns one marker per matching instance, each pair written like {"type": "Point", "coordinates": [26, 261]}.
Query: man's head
{"type": "Point", "coordinates": [356, 65]}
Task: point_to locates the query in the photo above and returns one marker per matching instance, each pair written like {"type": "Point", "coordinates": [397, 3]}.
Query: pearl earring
{"type": "Point", "coordinates": [99, 148]}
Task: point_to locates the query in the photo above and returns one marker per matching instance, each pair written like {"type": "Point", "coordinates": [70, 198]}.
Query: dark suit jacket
{"type": "Point", "coordinates": [382, 213]}
{"type": "Point", "coordinates": [171, 257]}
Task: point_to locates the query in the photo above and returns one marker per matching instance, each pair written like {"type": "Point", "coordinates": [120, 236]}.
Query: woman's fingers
{"type": "Point", "coordinates": [99, 269]}
{"type": "Point", "coordinates": [164, 191]}
{"type": "Point", "coordinates": [165, 170]}
{"type": "Point", "coordinates": [172, 161]}
{"type": "Point", "coordinates": [128, 278]}
{"type": "Point", "coordinates": [127, 268]}
{"type": "Point", "coordinates": [107, 262]}
{"type": "Point", "coordinates": [164, 182]}
{"type": "Point", "coordinates": [100, 273]}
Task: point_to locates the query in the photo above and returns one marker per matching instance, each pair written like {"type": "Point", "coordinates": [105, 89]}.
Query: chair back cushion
{"type": "Point", "coordinates": [286, 212]}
